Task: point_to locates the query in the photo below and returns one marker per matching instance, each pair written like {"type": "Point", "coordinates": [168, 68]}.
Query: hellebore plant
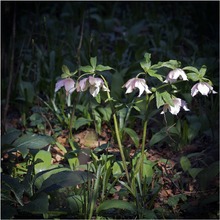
{"type": "Point", "coordinates": [164, 94]}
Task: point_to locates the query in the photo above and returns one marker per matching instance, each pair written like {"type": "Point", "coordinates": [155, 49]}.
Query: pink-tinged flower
{"type": "Point", "coordinates": [68, 83]}
{"type": "Point", "coordinates": [174, 75]}
{"type": "Point", "coordinates": [202, 87]}
{"type": "Point", "coordinates": [177, 104]}
{"type": "Point", "coordinates": [94, 85]}
{"type": "Point", "coordinates": [140, 84]}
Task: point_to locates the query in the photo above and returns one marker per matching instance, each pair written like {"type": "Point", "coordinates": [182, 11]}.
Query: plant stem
{"type": "Point", "coordinates": [117, 133]}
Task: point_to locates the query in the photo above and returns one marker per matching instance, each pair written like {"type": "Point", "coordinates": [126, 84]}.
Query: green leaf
{"type": "Point", "coordinates": [193, 76]}
{"type": "Point", "coordinates": [64, 76]}
{"type": "Point", "coordinates": [194, 172]}
{"type": "Point", "coordinates": [145, 66]}
{"type": "Point", "coordinates": [185, 163]}
{"type": "Point", "coordinates": [65, 70]}
{"type": "Point", "coordinates": [61, 147]}
{"type": "Point", "coordinates": [65, 179]}
{"type": "Point", "coordinates": [159, 136]}
{"type": "Point", "coordinates": [147, 57]}
{"type": "Point", "coordinates": [117, 168]}
{"type": "Point", "coordinates": [149, 214]}
{"type": "Point", "coordinates": [167, 98]}
{"type": "Point", "coordinates": [172, 64]}
{"type": "Point", "coordinates": [116, 204]}
{"type": "Point", "coordinates": [13, 185]}
{"type": "Point", "coordinates": [106, 113]}
{"type": "Point", "coordinates": [39, 205]}
{"type": "Point", "coordinates": [40, 177]}
{"type": "Point", "coordinates": [75, 203]}
{"type": "Point", "coordinates": [98, 98]}
{"type": "Point", "coordinates": [87, 69]}
{"type": "Point", "coordinates": [159, 100]}
{"type": "Point", "coordinates": [202, 71]}
{"type": "Point", "coordinates": [93, 62]}
{"type": "Point", "coordinates": [133, 135]}
{"type": "Point", "coordinates": [32, 141]}
{"type": "Point", "coordinates": [154, 74]}
{"type": "Point", "coordinates": [102, 68]}
{"type": "Point", "coordinates": [80, 122]}
{"type": "Point", "coordinates": [10, 136]}
{"type": "Point", "coordinates": [174, 200]}
{"type": "Point", "coordinates": [191, 68]}
{"type": "Point", "coordinates": [45, 163]}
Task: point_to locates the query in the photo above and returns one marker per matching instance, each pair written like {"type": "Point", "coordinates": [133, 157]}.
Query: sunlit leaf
{"type": "Point", "coordinates": [167, 98]}
{"type": "Point", "coordinates": [40, 177]}
{"type": "Point", "coordinates": [87, 69]}
{"type": "Point", "coordinates": [191, 68]}
{"type": "Point", "coordinates": [154, 74]}
{"type": "Point", "coordinates": [202, 71]}
{"type": "Point", "coordinates": [45, 157]}
{"type": "Point", "coordinates": [102, 68]}
{"type": "Point", "coordinates": [193, 76]}
{"type": "Point", "coordinates": [61, 147]}
{"type": "Point", "coordinates": [65, 70]}
{"type": "Point", "coordinates": [159, 99]}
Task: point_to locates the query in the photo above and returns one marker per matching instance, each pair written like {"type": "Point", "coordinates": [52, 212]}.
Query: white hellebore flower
{"type": "Point", "coordinates": [176, 108]}
{"type": "Point", "coordinates": [174, 75]}
{"type": "Point", "coordinates": [202, 87]}
{"type": "Point", "coordinates": [94, 85]}
{"type": "Point", "coordinates": [140, 84]}
{"type": "Point", "coordinates": [68, 83]}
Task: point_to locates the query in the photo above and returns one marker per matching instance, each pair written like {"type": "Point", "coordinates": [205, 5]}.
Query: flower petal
{"type": "Point", "coordinates": [59, 84]}
{"type": "Point", "coordinates": [69, 85]}
{"type": "Point", "coordinates": [203, 88]}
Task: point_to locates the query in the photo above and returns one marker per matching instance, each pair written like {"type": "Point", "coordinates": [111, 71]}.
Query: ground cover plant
{"type": "Point", "coordinates": [110, 110]}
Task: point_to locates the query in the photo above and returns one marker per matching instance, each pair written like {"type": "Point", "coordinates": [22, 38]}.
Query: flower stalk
{"type": "Point", "coordinates": [117, 134]}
